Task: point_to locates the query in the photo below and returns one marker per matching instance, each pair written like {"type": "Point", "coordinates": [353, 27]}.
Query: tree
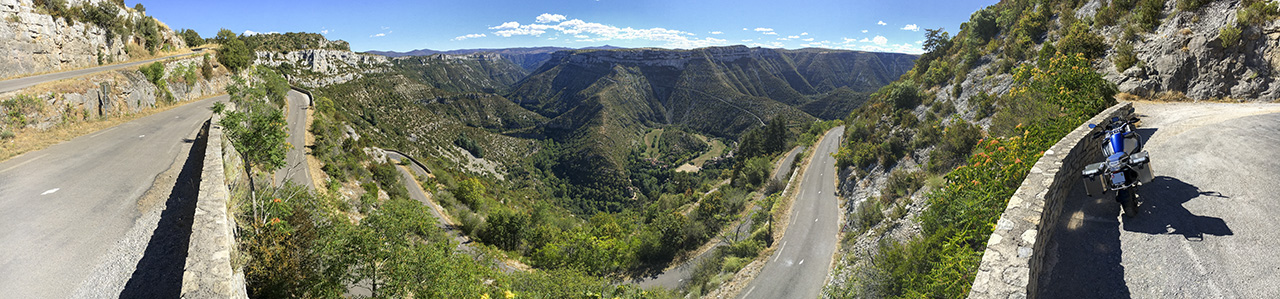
{"type": "Point", "coordinates": [192, 38]}
{"type": "Point", "coordinates": [233, 54]}
{"type": "Point", "coordinates": [138, 7]}
{"type": "Point", "coordinates": [150, 30]}
{"type": "Point", "coordinates": [256, 128]}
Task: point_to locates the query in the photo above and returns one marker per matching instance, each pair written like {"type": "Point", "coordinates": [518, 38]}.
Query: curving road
{"type": "Point", "coordinates": [19, 83]}
{"type": "Point", "coordinates": [295, 161]}
{"type": "Point", "coordinates": [799, 267]}
{"type": "Point", "coordinates": [74, 220]}
{"type": "Point", "coordinates": [1206, 226]}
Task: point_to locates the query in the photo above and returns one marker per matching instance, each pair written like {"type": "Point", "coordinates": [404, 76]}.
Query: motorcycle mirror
{"type": "Point", "coordinates": [1091, 126]}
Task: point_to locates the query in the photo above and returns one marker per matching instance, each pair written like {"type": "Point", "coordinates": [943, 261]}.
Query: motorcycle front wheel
{"type": "Point", "coordinates": [1127, 202]}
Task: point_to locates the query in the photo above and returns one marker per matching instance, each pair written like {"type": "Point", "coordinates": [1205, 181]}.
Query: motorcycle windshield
{"type": "Point", "coordinates": [1117, 143]}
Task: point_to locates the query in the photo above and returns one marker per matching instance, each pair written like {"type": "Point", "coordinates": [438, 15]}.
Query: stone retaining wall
{"type": "Point", "coordinates": [1015, 253]}
{"type": "Point", "coordinates": [208, 272]}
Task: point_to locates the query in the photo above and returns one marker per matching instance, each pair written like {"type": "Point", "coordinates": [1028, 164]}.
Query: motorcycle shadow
{"type": "Point", "coordinates": [1161, 211]}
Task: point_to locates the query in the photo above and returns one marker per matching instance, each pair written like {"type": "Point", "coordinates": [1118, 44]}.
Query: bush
{"type": "Point", "coordinates": [866, 216]}
{"type": "Point", "coordinates": [1256, 12]}
{"type": "Point", "coordinates": [1080, 39]}
{"type": "Point", "coordinates": [1147, 14]}
{"type": "Point", "coordinates": [1192, 5]}
{"type": "Point", "coordinates": [1125, 58]}
{"type": "Point", "coordinates": [1230, 36]}
{"type": "Point", "coordinates": [903, 94]}
{"type": "Point", "coordinates": [154, 72]}
{"type": "Point", "coordinates": [206, 67]}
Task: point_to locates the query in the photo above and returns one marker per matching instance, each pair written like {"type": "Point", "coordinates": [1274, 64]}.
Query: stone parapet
{"type": "Point", "coordinates": [1016, 250]}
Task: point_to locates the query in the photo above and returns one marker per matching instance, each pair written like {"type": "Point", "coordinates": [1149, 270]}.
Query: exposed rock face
{"type": "Point", "coordinates": [1185, 54]}
{"type": "Point", "coordinates": [33, 42]}
{"type": "Point", "coordinates": [113, 93]}
{"type": "Point", "coordinates": [324, 67]}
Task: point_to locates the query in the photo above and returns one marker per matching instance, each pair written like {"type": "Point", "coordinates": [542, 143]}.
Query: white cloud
{"type": "Point", "coordinates": [919, 42]}
{"type": "Point", "coordinates": [747, 40]}
{"type": "Point", "coordinates": [864, 40]}
{"type": "Point", "coordinates": [911, 27]}
{"type": "Point", "coordinates": [864, 31]}
{"type": "Point", "coordinates": [717, 32]}
{"type": "Point", "coordinates": [548, 18]}
{"type": "Point", "coordinates": [770, 33]}
{"type": "Point", "coordinates": [251, 32]}
{"type": "Point", "coordinates": [881, 23]}
{"type": "Point", "coordinates": [600, 32]}
{"type": "Point", "coordinates": [899, 48]}
{"type": "Point", "coordinates": [880, 40]}
{"type": "Point", "coordinates": [378, 35]}
{"type": "Point", "coordinates": [469, 36]}
{"type": "Point", "coordinates": [385, 27]}
{"type": "Point", "coordinates": [507, 25]}
{"type": "Point", "coordinates": [325, 31]}
{"type": "Point", "coordinates": [762, 29]}
{"type": "Point", "coordinates": [808, 39]}
{"type": "Point", "coordinates": [793, 36]}
{"type": "Point", "coordinates": [804, 33]}
{"type": "Point", "coordinates": [745, 29]}
{"type": "Point", "coordinates": [783, 38]}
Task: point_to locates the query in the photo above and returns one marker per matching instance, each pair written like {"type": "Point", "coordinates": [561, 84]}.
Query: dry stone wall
{"type": "Point", "coordinates": [1015, 253]}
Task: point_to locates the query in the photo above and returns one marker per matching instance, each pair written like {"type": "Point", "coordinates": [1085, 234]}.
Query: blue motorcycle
{"type": "Point", "coordinates": [1126, 166]}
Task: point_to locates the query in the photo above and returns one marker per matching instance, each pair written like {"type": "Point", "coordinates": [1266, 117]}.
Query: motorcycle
{"type": "Point", "coordinates": [1126, 166]}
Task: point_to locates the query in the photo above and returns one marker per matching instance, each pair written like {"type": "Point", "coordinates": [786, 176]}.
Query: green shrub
{"type": "Point", "coordinates": [1079, 39]}
{"type": "Point", "coordinates": [7, 134]}
{"type": "Point", "coordinates": [154, 72]}
{"type": "Point", "coordinates": [1230, 36]}
{"type": "Point", "coordinates": [903, 94]}
{"type": "Point", "coordinates": [1256, 12]}
{"type": "Point", "coordinates": [1124, 58]}
{"type": "Point", "coordinates": [1192, 5]}
{"type": "Point", "coordinates": [466, 143]}
{"type": "Point", "coordinates": [1147, 14]}
{"type": "Point", "coordinates": [191, 37]}
{"type": "Point", "coordinates": [867, 215]}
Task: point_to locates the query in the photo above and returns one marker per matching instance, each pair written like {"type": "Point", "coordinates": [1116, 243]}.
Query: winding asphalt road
{"type": "Point", "coordinates": [1206, 226]}
{"type": "Point", "coordinates": [799, 267]}
{"type": "Point", "coordinates": [295, 166]}
{"type": "Point", "coordinates": [19, 83]}
{"type": "Point", "coordinates": [73, 218]}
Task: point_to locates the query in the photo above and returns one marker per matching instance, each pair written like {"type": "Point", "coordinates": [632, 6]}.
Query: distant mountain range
{"type": "Point", "coordinates": [529, 58]}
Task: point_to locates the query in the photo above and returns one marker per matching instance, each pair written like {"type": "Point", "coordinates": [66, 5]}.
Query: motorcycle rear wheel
{"type": "Point", "coordinates": [1128, 202]}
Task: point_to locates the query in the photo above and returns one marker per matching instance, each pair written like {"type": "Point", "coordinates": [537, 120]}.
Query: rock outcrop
{"type": "Point", "coordinates": [1185, 54]}
{"type": "Point", "coordinates": [113, 93]}
{"type": "Point", "coordinates": [320, 67]}
{"type": "Point", "coordinates": [34, 42]}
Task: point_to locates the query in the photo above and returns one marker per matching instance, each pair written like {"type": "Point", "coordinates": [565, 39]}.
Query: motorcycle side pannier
{"type": "Point", "coordinates": [1092, 174]}
{"type": "Point", "coordinates": [1141, 163]}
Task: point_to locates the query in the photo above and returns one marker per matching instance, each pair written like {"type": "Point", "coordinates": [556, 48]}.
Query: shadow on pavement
{"type": "Point", "coordinates": [1085, 254]}
{"type": "Point", "coordinates": [159, 272]}
{"type": "Point", "coordinates": [1161, 211]}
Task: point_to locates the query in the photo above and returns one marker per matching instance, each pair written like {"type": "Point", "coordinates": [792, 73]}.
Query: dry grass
{"type": "Point", "coordinates": [31, 139]}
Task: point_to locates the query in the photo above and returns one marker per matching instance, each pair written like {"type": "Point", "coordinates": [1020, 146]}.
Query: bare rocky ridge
{"type": "Point", "coordinates": [324, 67]}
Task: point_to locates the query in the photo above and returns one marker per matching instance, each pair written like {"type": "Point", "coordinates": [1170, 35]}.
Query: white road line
{"type": "Point", "coordinates": [748, 292]}
{"type": "Point", "coordinates": [143, 135]}
{"type": "Point", "coordinates": [25, 162]}
{"type": "Point", "coordinates": [780, 248]}
{"type": "Point", "coordinates": [815, 219]}
{"type": "Point", "coordinates": [802, 262]}
{"type": "Point", "coordinates": [100, 132]}
{"type": "Point", "coordinates": [50, 191]}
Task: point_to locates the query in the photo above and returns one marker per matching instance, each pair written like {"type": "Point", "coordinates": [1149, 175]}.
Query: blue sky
{"type": "Point", "coordinates": [885, 26]}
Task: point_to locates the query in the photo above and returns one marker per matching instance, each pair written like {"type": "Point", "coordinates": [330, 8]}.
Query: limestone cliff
{"type": "Point", "coordinates": [32, 41]}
